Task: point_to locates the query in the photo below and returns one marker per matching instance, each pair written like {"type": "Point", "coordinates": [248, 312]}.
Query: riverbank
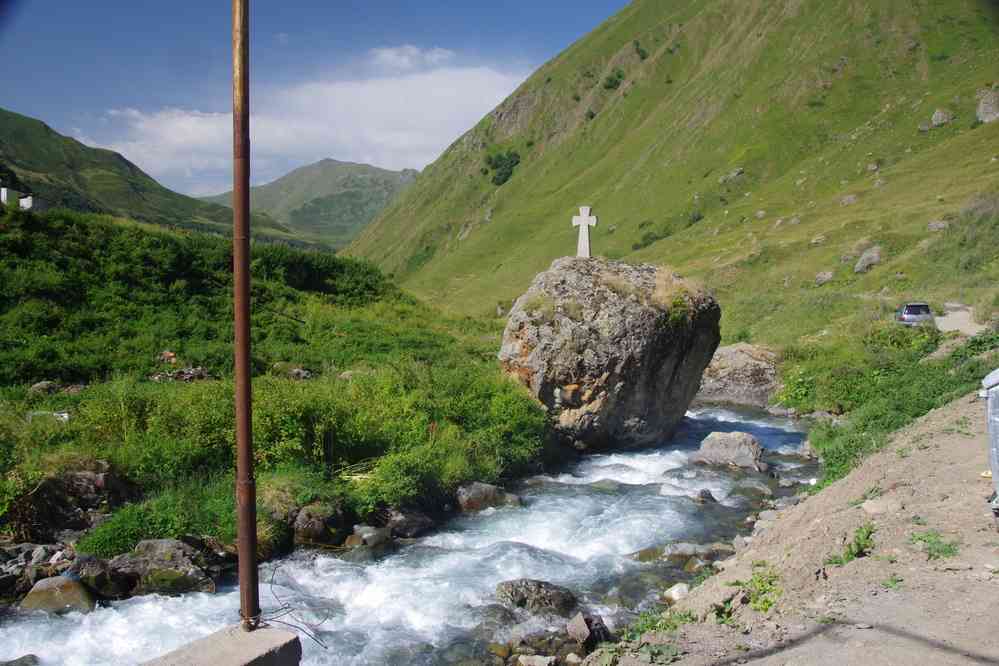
{"type": "Point", "coordinates": [897, 562]}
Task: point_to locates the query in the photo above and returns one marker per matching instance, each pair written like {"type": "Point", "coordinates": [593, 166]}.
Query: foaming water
{"type": "Point", "coordinates": [433, 601]}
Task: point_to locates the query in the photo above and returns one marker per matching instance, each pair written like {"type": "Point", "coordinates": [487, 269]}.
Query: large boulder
{"type": "Point", "coordinates": [615, 352]}
{"type": "Point", "coordinates": [740, 374]}
{"type": "Point", "coordinates": [409, 523]}
{"type": "Point", "coordinates": [478, 496]}
{"type": "Point", "coordinates": [734, 449]}
{"type": "Point", "coordinates": [163, 566]}
{"type": "Point", "coordinates": [59, 594]}
{"type": "Point", "coordinates": [536, 596]}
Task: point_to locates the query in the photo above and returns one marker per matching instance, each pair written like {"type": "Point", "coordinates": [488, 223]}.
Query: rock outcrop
{"type": "Point", "coordinates": [614, 352]}
{"type": "Point", "coordinates": [868, 260]}
{"type": "Point", "coordinates": [740, 374]}
{"type": "Point", "coordinates": [734, 449]}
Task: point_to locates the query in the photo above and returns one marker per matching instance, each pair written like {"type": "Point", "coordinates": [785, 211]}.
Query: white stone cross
{"type": "Point", "coordinates": [584, 221]}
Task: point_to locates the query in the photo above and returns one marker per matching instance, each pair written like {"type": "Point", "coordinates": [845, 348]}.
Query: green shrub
{"type": "Point", "coordinates": [503, 165]}
{"type": "Point", "coordinates": [763, 589]}
{"type": "Point", "coordinates": [861, 546]}
{"type": "Point", "coordinates": [935, 546]}
{"type": "Point", "coordinates": [614, 81]}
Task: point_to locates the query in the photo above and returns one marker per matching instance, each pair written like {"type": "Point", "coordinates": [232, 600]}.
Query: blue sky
{"type": "Point", "coordinates": [386, 82]}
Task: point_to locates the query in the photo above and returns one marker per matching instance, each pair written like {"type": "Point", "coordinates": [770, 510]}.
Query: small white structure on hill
{"type": "Point", "coordinates": [26, 202]}
{"type": "Point", "coordinates": [3, 195]}
{"type": "Point", "coordinates": [584, 221]}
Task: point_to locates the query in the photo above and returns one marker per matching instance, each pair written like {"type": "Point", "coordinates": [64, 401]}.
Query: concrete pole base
{"type": "Point", "coordinates": [234, 647]}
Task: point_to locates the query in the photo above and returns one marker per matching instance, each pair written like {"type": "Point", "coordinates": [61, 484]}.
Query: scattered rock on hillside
{"type": "Point", "coordinates": [536, 596]}
{"type": "Point", "coordinates": [848, 200]}
{"type": "Point", "coordinates": [478, 496]}
{"type": "Point", "coordinates": [181, 375]}
{"type": "Point", "coordinates": [938, 225]}
{"type": "Point", "coordinates": [941, 117]}
{"type": "Point", "coordinates": [59, 595]}
{"type": "Point", "coordinates": [818, 240]}
{"type": "Point", "coordinates": [924, 127]}
{"type": "Point", "coordinates": [868, 260]}
{"type": "Point", "coordinates": [615, 352]}
{"type": "Point", "coordinates": [740, 374]}
{"type": "Point", "coordinates": [729, 177]}
{"type": "Point", "coordinates": [291, 371]}
{"type": "Point", "coordinates": [823, 278]}
{"type": "Point", "coordinates": [163, 566]}
{"type": "Point", "coordinates": [988, 105]}
{"type": "Point", "coordinates": [735, 449]}
{"type": "Point", "coordinates": [761, 214]}
{"type": "Point", "coordinates": [45, 388]}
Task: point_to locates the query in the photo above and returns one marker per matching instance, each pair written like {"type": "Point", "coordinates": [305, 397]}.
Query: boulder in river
{"type": "Point", "coordinates": [536, 596]}
{"type": "Point", "coordinates": [409, 523]}
{"type": "Point", "coordinates": [59, 594]}
{"type": "Point", "coordinates": [163, 566]}
{"type": "Point", "coordinates": [98, 576]}
{"type": "Point", "coordinates": [735, 449]}
{"type": "Point", "coordinates": [613, 351]}
{"type": "Point", "coordinates": [740, 374]}
{"type": "Point", "coordinates": [478, 496]}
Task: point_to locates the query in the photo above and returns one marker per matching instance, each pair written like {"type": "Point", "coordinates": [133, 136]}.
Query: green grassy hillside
{"type": "Point", "coordinates": [329, 201]}
{"type": "Point", "coordinates": [817, 106]}
{"type": "Point", "coordinates": [65, 173]}
{"type": "Point", "coordinates": [89, 299]}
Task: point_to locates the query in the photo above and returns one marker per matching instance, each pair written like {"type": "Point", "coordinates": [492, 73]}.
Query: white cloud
{"type": "Point", "coordinates": [401, 116]}
{"type": "Point", "coordinates": [408, 57]}
{"type": "Point", "coordinates": [282, 38]}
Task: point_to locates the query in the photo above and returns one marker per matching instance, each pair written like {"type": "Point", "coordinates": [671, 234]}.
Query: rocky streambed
{"type": "Point", "coordinates": [611, 531]}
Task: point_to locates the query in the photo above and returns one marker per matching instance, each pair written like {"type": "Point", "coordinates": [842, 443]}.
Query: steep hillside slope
{"type": "Point", "coordinates": [65, 173]}
{"type": "Point", "coordinates": [750, 144]}
{"type": "Point", "coordinates": [328, 201]}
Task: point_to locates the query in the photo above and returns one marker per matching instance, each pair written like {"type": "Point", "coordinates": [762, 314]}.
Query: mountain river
{"type": "Point", "coordinates": [432, 602]}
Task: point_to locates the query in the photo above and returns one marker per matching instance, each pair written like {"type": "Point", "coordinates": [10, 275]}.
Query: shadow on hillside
{"type": "Point", "coordinates": [932, 646]}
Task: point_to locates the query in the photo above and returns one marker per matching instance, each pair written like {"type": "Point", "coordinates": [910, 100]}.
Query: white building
{"type": "Point", "coordinates": [26, 202]}
{"type": "Point", "coordinates": [3, 195]}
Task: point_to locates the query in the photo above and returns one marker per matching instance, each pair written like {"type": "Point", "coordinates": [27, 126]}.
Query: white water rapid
{"type": "Point", "coordinates": [433, 601]}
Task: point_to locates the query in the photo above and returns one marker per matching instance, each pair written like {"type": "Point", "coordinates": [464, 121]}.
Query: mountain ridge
{"type": "Point", "coordinates": [328, 201]}
{"type": "Point", "coordinates": [64, 172]}
{"type": "Point", "coordinates": [722, 138]}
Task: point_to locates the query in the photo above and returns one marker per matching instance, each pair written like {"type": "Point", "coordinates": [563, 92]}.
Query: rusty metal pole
{"type": "Point", "coordinates": [246, 491]}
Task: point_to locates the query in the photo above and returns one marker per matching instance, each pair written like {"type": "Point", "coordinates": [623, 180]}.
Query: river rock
{"type": "Point", "coordinates": [740, 374]}
{"type": "Point", "coordinates": [868, 260]}
{"type": "Point", "coordinates": [536, 596]}
{"type": "Point", "coordinates": [409, 523]}
{"type": "Point", "coordinates": [163, 566]}
{"type": "Point", "coordinates": [478, 496]}
{"type": "Point", "coordinates": [58, 594]}
{"type": "Point", "coordinates": [735, 449]}
{"type": "Point", "coordinates": [678, 592]}
{"type": "Point", "coordinates": [824, 277]}
{"type": "Point", "coordinates": [988, 105]}
{"type": "Point", "coordinates": [588, 630]}
{"type": "Point", "coordinates": [536, 660]}
{"type": "Point", "coordinates": [320, 523]}
{"type": "Point", "coordinates": [613, 351]}
{"type": "Point", "coordinates": [98, 576]}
